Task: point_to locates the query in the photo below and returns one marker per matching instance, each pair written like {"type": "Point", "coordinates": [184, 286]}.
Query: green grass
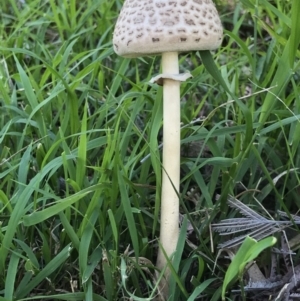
{"type": "Point", "coordinates": [79, 211]}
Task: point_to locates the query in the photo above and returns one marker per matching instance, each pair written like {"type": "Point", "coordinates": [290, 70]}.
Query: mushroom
{"type": "Point", "coordinates": [168, 27]}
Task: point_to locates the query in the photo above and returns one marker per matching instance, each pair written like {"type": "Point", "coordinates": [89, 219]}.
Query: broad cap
{"type": "Point", "coordinates": [150, 27]}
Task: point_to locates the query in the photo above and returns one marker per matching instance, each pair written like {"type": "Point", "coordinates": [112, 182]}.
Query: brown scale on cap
{"type": "Point", "coordinates": [149, 27]}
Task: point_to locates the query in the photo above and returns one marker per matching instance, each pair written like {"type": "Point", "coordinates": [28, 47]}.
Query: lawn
{"type": "Point", "coordinates": [81, 157]}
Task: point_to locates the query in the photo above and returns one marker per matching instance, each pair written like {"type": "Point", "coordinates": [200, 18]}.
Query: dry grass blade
{"type": "Point", "coordinates": [296, 219]}
{"type": "Point", "coordinates": [235, 225]}
{"type": "Point", "coordinates": [242, 208]}
{"type": "Point", "coordinates": [254, 225]}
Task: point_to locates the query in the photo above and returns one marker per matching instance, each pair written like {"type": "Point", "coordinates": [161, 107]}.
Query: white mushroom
{"type": "Point", "coordinates": [167, 27]}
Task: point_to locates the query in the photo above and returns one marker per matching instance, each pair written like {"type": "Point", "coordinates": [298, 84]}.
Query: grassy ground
{"type": "Point", "coordinates": [79, 210]}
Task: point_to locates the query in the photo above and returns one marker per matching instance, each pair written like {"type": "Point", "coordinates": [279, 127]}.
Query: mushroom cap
{"type": "Point", "coordinates": [150, 27]}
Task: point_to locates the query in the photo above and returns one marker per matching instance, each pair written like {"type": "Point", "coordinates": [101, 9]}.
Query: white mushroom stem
{"type": "Point", "coordinates": [169, 229]}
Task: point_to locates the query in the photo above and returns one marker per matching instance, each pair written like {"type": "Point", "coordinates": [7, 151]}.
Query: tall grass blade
{"type": "Point", "coordinates": [128, 210]}
{"type": "Point", "coordinates": [37, 217]}
{"type": "Point", "coordinates": [295, 32]}
{"type": "Point", "coordinates": [52, 266]}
